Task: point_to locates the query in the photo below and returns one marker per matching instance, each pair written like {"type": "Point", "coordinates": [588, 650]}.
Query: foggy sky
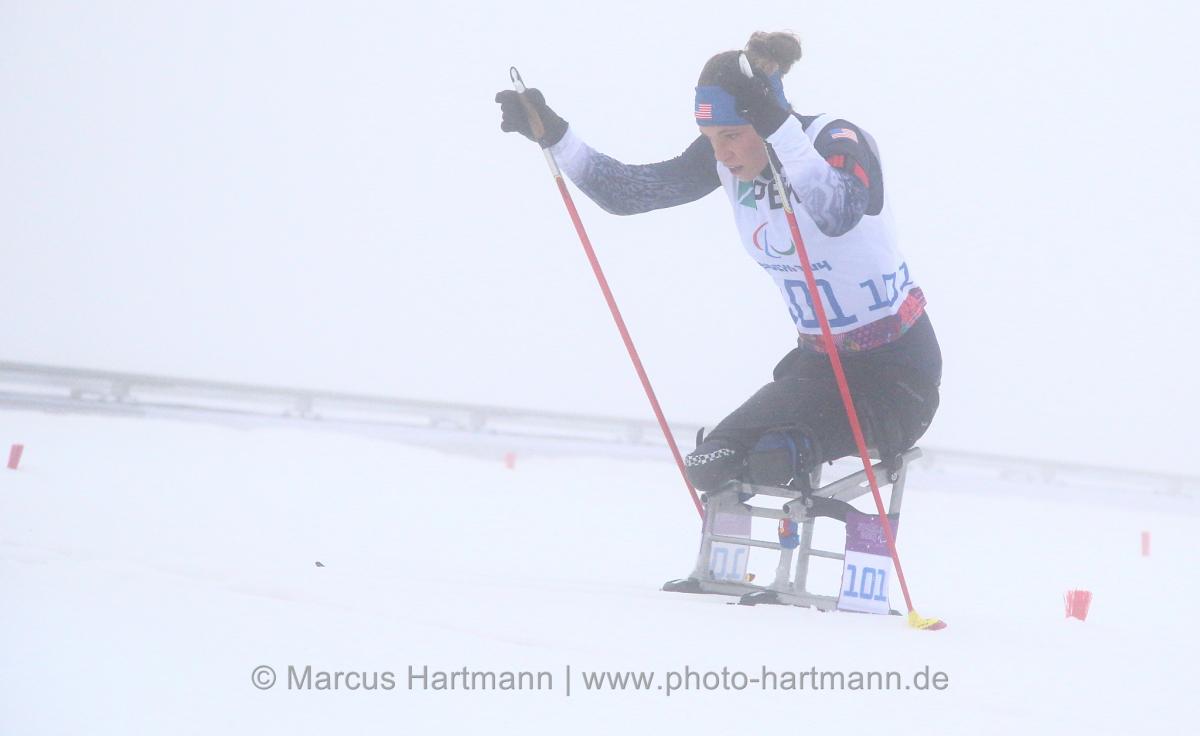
{"type": "Point", "coordinates": [318, 195]}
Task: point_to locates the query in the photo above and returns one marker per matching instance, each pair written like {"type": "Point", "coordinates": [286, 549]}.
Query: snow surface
{"type": "Point", "coordinates": [149, 566]}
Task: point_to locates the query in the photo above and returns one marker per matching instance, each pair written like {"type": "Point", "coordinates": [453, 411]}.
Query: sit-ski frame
{"type": "Point", "coordinates": [784, 589]}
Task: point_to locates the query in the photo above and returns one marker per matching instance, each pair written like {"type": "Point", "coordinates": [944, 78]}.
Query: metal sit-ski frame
{"type": "Point", "coordinates": [733, 499]}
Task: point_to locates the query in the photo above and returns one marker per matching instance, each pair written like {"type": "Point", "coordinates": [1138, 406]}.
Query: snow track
{"type": "Point", "coordinates": [149, 566]}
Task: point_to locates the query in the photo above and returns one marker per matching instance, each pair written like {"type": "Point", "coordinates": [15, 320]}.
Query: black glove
{"type": "Point", "coordinates": [515, 119]}
{"type": "Point", "coordinates": [755, 101]}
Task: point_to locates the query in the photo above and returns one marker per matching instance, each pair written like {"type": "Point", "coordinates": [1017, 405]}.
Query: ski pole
{"type": "Point", "coordinates": [914, 619]}
{"type": "Point", "coordinates": [539, 133]}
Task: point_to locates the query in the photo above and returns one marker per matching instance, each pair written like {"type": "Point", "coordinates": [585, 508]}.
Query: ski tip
{"type": "Point", "coordinates": [917, 621]}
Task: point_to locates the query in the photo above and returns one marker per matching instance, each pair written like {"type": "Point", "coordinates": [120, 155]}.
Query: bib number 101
{"type": "Point", "coordinates": [804, 312]}
{"type": "Point", "coordinates": [728, 561]}
{"type": "Point", "coordinates": [869, 583]}
{"type": "Point", "coordinates": [865, 578]}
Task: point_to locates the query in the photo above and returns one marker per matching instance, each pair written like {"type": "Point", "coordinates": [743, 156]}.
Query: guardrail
{"type": "Point", "coordinates": [25, 385]}
{"type": "Point", "coordinates": [475, 427]}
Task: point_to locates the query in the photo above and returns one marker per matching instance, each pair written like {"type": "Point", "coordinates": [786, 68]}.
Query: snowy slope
{"type": "Point", "coordinates": [148, 567]}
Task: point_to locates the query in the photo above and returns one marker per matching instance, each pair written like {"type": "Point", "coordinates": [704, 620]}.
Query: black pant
{"type": "Point", "coordinates": [895, 390]}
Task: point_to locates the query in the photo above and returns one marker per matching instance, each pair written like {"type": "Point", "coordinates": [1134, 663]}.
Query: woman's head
{"type": "Point", "coordinates": [769, 53]}
{"type": "Point", "coordinates": [734, 141]}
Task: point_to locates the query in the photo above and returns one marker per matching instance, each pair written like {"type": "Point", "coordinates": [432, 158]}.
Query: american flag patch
{"type": "Point", "coordinates": [846, 133]}
{"type": "Point", "coordinates": [704, 111]}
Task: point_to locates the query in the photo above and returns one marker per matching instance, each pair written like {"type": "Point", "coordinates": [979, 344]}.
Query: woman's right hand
{"type": "Point", "coordinates": [515, 117]}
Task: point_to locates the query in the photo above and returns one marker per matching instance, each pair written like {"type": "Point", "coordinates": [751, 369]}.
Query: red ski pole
{"type": "Point", "coordinates": [914, 619]}
{"type": "Point", "coordinates": [538, 133]}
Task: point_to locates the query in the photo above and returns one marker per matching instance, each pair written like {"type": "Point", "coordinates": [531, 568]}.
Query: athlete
{"type": "Point", "coordinates": [833, 177]}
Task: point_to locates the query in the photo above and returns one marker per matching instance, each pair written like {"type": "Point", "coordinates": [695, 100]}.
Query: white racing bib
{"type": "Point", "coordinates": [867, 569]}
{"type": "Point", "coordinates": [728, 561]}
{"type": "Point", "coordinates": [862, 276]}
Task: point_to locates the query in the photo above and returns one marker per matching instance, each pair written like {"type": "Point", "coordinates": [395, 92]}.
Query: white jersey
{"type": "Point", "coordinates": [866, 287]}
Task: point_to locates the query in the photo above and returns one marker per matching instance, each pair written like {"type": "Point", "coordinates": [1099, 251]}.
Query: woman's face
{"type": "Point", "coordinates": [738, 148]}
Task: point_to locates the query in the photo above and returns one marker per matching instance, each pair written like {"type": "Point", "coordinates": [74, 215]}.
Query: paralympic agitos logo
{"type": "Point", "coordinates": [763, 243]}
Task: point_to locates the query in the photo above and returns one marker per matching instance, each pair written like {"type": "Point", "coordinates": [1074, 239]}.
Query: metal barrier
{"type": "Point", "coordinates": [471, 427]}
{"type": "Point", "coordinates": [39, 387]}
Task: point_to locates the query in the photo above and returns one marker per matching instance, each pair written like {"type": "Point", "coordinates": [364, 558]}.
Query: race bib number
{"type": "Point", "coordinates": [867, 571]}
{"type": "Point", "coordinates": [728, 561]}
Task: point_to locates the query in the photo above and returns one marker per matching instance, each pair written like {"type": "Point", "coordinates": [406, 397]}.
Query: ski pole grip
{"type": "Point", "coordinates": [744, 64]}
{"type": "Point", "coordinates": [535, 120]}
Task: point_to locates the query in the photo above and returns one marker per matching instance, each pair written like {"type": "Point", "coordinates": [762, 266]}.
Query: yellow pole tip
{"type": "Point", "coordinates": [916, 621]}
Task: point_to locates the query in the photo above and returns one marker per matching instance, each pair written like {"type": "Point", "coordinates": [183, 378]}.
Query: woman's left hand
{"type": "Point", "coordinates": [755, 101]}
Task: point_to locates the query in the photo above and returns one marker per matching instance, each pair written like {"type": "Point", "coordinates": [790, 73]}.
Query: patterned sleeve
{"type": "Point", "coordinates": [828, 178]}
{"type": "Point", "coordinates": [628, 189]}
{"type": "Point", "coordinates": [845, 147]}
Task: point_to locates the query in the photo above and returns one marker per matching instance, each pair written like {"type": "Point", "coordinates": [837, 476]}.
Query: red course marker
{"type": "Point", "coordinates": [14, 456]}
{"type": "Point", "coordinates": [1078, 602]}
{"type": "Point", "coordinates": [1145, 544]}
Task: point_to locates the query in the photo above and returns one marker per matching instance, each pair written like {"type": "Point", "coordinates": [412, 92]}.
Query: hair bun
{"type": "Point", "coordinates": [773, 52]}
